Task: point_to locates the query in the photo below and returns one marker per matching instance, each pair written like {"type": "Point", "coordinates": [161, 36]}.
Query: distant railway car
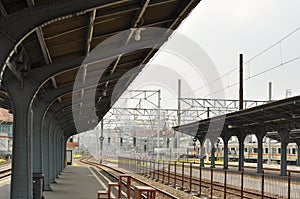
{"type": "Point", "coordinates": [251, 152]}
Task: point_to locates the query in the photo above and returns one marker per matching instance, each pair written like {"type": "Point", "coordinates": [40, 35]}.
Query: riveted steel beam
{"type": "Point", "coordinates": [15, 28]}
{"type": "Point", "coordinates": [90, 31]}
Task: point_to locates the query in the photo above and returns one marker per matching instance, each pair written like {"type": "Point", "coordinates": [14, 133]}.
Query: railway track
{"type": "Point", "coordinates": [5, 170]}
{"type": "Point", "coordinates": [160, 193]}
{"type": "Point", "coordinates": [253, 168]}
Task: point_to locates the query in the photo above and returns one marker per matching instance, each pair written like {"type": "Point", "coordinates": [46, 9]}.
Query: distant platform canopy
{"type": "Point", "coordinates": [269, 119]}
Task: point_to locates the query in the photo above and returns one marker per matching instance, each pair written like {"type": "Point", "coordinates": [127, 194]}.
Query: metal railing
{"type": "Point", "coordinates": [222, 183]}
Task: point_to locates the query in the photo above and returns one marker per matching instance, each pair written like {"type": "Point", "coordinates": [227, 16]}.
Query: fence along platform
{"type": "Point", "coordinates": [192, 178]}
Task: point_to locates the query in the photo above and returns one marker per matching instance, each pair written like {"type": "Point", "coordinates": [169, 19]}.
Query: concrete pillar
{"type": "Point", "coordinates": [241, 138]}
{"type": "Point", "coordinates": [260, 137]}
{"type": "Point", "coordinates": [284, 140]}
{"type": "Point", "coordinates": [298, 153]}
{"type": "Point", "coordinates": [225, 152]}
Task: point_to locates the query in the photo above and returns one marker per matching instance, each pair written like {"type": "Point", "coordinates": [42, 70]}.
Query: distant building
{"type": "Point", "coordinates": [70, 151]}
{"type": "Point", "coordinates": [6, 132]}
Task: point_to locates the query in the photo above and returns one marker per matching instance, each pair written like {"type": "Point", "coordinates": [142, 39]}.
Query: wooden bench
{"type": "Point", "coordinates": [107, 194]}
{"type": "Point", "coordinates": [101, 194]}
{"type": "Point", "coordinates": [128, 182]}
{"type": "Point", "coordinates": [149, 191]}
{"type": "Point", "coordinates": [110, 185]}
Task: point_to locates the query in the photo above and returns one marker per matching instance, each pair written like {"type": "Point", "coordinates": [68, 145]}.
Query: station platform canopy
{"type": "Point", "coordinates": [269, 118]}
{"type": "Point", "coordinates": [64, 37]}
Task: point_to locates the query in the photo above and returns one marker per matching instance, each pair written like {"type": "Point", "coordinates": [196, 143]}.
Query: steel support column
{"type": "Point", "coordinates": [22, 94]}
{"type": "Point", "coordinates": [62, 153]}
{"type": "Point", "coordinates": [21, 181]}
{"type": "Point", "coordinates": [284, 140]}
{"type": "Point", "coordinates": [37, 138]}
{"type": "Point", "coordinates": [41, 136]}
{"type": "Point", "coordinates": [38, 164]}
{"type": "Point", "coordinates": [52, 129]}
{"type": "Point", "coordinates": [59, 141]}
{"type": "Point", "coordinates": [260, 137]}
{"type": "Point", "coordinates": [46, 151]}
{"type": "Point", "coordinates": [55, 151]}
{"type": "Point", "coordinates": [65, 152]}
{"type": "Point", "coordinates": [298, 153]}
{"type": "Point", "coordinates": [212, 156]}
{"type": "Point", "coordinates": [225, 152]}
{"type": "Point", "coordinates": [21, 185]}
{"type": "Point", "coordinates": [201, 140]}
{"type": "Point", "coordinates": [241, 138]}
{"type": "Point", "coordinates": [59, 151]}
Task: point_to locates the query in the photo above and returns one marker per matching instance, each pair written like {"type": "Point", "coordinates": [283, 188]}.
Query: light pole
{"type": "Point", "coordinates": [158, 125]}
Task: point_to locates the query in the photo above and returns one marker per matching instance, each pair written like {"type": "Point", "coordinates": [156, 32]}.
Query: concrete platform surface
{"type": "Point", "coordinates": [76, 182]}
{"type": "Point", "coordinates": [5, 188]}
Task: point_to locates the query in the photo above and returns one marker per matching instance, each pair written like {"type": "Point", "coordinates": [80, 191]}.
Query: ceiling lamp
{"type": "Point", "coordinates": [137, 32]}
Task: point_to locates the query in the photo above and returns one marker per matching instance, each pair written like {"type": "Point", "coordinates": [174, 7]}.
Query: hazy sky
{"type": "Point", "coordinates": [224, 29]}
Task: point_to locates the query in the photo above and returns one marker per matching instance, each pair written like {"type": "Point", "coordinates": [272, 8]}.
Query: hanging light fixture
{"type": "Point", "coordinates": [137, 33]}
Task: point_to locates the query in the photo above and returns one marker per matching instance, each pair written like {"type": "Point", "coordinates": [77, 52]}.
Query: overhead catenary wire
{"type": "Point", "coordinates": [248, 78]}
{"type": "Point", "coordinates": [256, 75]}
{"type": "Point", "coordinates": [279, 42]}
